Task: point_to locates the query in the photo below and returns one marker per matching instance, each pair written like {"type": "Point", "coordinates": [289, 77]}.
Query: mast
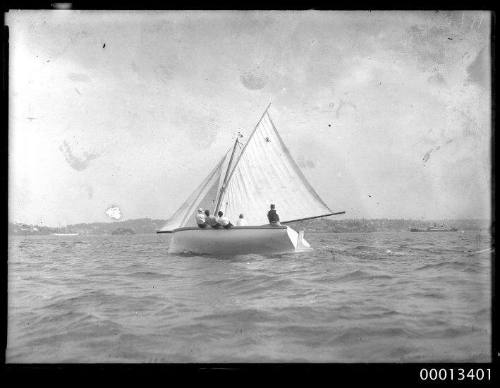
{"type": "Point", "coordinates": [223, 186]}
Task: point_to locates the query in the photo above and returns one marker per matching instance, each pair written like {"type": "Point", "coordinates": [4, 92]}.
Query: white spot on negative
{"type": "Point", "coordinates": [114, 212]}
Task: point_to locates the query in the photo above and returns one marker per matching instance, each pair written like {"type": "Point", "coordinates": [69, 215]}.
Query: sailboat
{"type": "Point", "coordinates": [249, 177]}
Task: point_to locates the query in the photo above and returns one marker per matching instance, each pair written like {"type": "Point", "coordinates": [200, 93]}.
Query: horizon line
{"type": "Point", "coordinates": [329, 218]}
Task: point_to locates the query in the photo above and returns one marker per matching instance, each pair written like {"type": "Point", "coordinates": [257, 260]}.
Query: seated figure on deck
{"type": "Point", "coordinates": [211, 220]}
{"type": "Point", "coordinates": [200, 219]}
{"type": "Point", "coordinates": [273, 217]}
{"type": "Point", "coordinates": [241, 221]}
{"type": "Point", "coordinates": [224, 221]}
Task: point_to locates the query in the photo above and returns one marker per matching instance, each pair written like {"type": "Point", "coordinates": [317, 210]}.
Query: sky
{"type": "Point", "coordinates": [387, 113]}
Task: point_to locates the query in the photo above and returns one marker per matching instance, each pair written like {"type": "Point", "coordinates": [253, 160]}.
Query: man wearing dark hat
{"type": "Point", "coordinates": [273, 217]}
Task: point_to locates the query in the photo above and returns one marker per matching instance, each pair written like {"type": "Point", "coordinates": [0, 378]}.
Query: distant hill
{"type": "Point", "coordinates": [148, 225]}
{"type": "Point", "coordinates": [123, 231]}
{"type": "Point", "coordinates": [140, 226]}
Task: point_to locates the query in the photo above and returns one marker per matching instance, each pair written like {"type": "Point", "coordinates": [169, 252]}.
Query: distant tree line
{"type": "Point", "coordinates": [147, 225]}
{"type": "Point", "coordinates": [141, 226]}
{"type": "Point", "coordinates": [384, 225]}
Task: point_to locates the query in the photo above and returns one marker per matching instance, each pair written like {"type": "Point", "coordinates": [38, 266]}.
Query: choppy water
{"type": "Point", "coordinates": [358, 297]}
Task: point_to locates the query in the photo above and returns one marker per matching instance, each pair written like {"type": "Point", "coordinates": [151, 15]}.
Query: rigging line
{"type": "Point", "coordinates": [224, 182]}
{"type": "Point", "coordinates": [296, 167]}
{"type": "Point", "coordinates": [248, 142]}
{"type": "Point", "coordinates": [214, 201]}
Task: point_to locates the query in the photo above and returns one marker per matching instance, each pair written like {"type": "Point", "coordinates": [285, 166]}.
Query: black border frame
{"type": "Point", "coordinates": [385, 374]}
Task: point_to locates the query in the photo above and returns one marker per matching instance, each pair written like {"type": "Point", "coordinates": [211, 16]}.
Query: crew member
{"type": "Point", "coordinates": [273, 217]}
{"type": "Point", "coordinates": [224, 221]}
{"type": "Point", "coordinates": [200, 219]}
{"type": "Point", "coordinates": [241, 221]}
{"type": "Point", "coordinates": [211, 220]}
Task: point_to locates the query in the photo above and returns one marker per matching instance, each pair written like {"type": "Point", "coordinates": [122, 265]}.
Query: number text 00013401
{"type": "Point", "coordinates": [455, 374]}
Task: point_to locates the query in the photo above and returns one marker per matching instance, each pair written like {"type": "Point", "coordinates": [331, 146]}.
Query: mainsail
{"type": "Point", "coordinates": [266, 174]}
{"type": "Point", "coordinates": [261, 173]}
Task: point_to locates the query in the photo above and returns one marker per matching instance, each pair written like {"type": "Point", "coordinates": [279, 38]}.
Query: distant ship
{"type": "Point", "coordinates": [434, 228]}
{"type": "Point", "coordinates": [65, 234]}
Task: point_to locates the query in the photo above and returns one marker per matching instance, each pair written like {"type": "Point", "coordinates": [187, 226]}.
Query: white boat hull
{"type": "Point", "coordinates": [237, 240]}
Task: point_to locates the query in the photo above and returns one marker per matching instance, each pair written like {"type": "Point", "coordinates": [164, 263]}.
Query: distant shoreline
{"type": "Point", "coordinates": [147, 225]}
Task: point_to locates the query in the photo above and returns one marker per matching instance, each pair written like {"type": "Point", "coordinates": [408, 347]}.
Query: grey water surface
{"type": "Point", "coordinates": [358, 297]}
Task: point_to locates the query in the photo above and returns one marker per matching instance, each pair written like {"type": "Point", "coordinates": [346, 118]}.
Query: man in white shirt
{"type": "Point", "coordinates": [200, 219]}
{"type": "Point", "coordinates": [223, 221]}
{"type": "Point", "coordinates": [241, 221]}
